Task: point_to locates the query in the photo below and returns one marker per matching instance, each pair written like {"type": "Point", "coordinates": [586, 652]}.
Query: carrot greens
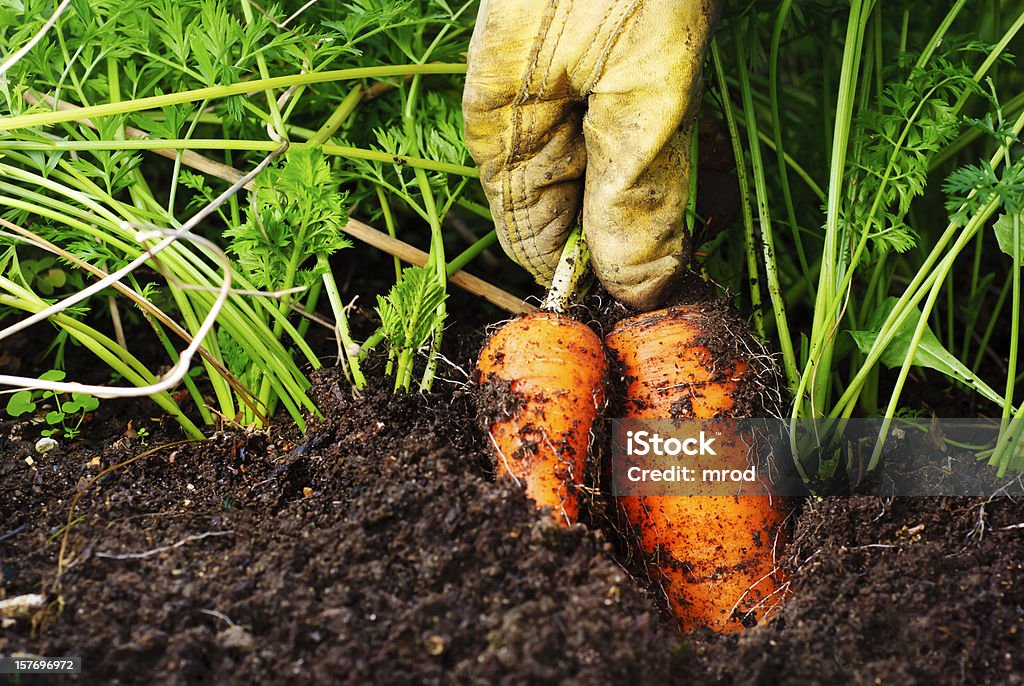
{"type": "Point", "coordinates": [121, 119]}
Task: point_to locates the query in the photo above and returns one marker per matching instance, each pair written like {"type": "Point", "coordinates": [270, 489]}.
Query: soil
{"type": "Point", "coordinates": [378, 548]}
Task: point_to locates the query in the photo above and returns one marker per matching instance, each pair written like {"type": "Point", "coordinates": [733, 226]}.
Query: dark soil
{"type": "Point", "coordinates": [377, 548]}
{"type": "Point", "coordinates": [901, 591]}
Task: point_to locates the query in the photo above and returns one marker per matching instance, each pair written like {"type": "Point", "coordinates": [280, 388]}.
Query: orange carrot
{"type": "Point", "coordinates": [554, 367]}
{"type": "Point", "coordinates": [714, 555]}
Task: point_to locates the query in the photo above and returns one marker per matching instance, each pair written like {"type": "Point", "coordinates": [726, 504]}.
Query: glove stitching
{"type": "Point", "coordinates": [516, 144]}
{"type": "Point", "coordinates": [526, 142]}
{"type": "Point", "coordinates": [511, 226]}
{"type": "Point", "coordinates": [554, 49]}
{"type": "Point", "coordinates": [602, 58]}
{"type": "Point", "coordinates": [586, 55]}
{"type": "Point", "coordinates": [531, 236]}
{"type": "Point", "coordinates": [533, 256]}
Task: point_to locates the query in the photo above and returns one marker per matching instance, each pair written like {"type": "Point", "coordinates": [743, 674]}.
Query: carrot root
{"type": "Point", "coordinates": [554, 367]}
{"type": "Point", "coordinates": [713, 555]}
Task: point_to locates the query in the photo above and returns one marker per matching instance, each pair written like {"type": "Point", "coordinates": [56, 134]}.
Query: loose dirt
{"type": "Point", "coordinates": [377, 548]}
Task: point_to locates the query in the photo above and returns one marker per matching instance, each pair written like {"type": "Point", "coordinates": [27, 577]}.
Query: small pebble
{"type": "Point", "coordinates": [45, 445]}
{"type": "Point", "coordinates": [237, 638]}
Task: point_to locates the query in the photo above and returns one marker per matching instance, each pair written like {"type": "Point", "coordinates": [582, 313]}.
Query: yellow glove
{"type": "Point", "coordinates": [626, 74]}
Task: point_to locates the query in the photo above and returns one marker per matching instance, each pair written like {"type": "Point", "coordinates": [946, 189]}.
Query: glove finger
{"type": "Point", "coordinates": [637, 133]}
{"type": "Point", "coordinates": [534, 183]}
{"type": "Point", "coordinates": [523, 129]}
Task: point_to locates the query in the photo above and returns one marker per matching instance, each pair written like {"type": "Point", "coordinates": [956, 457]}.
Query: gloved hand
{"type": "Point", "coordinates": [563, 95]}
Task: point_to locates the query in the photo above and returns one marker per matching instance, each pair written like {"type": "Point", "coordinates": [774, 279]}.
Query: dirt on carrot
{"type": "Point", "coordinates": [715, 558]}
{"type": "Point", "coordinates": [554, 368]}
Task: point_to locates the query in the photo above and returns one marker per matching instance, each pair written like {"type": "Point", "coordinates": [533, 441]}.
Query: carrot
{"type": "Point", "coordinates": [714, 555]}
{"type": "Point", "coordinates": [554, 367]}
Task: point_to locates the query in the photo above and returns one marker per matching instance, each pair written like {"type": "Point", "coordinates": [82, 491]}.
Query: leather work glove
{"type": "Point", "coordinates": [563, 95]}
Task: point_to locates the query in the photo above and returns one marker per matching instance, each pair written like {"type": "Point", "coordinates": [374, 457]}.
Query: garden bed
{"type": "Point", "coordinates": [858, 206]}
{"type": "Point", "coordinates": [378, 548]}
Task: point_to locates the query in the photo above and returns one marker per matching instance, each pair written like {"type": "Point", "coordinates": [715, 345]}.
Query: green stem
{"type": "Point", "coordinates": [907, 303]}
{"type": "Point", "coordinates": [389, 224]}
{"type": "Point", "coordinates": [570, 273]}
{"type": "Point", "coordinates": [165, 342]}
{"type": "Point", "coordinates": [471, 253]}
{"type": "Point", "coordinates": [249, 145]}
{"type": "Point", "coordinates": [479, 210]}
{"type": "Point", "coordinates": [922, 280]}
{"type": "Point", "coordinates": [192, 321]}
{"type": "Point", "coordinates": [284, 308]}
{"type": "Point", "coordinates": [1011, 371]}
{"type": "Point", "coordinates": [113, 355]}
{"type": "Point", "coordinates": [691, 218]}
{"type": "Point", "coordinates": [215, 92]}
{"type": "Point", "coordinates": [767, 237]}
{"type": "Point", "coordinates": [261, 65]}
{"type": "Point", "coordinates": [940, 33]}
{"type": "Point", "coordinates": [435, 259]}
{"type": "Point", "coordinates": [797, 168]}
{"type": "Point", "coordinates": [139, 186]}
{"type": "Point", "coordinates": [193, 391]}
{"type": "Point", "coordinates": [904, 30]}
{"type": "Point", "coordinates": [239, 318]}
{"type": "Point", "coordinates": [339, 116]}
{"type": "Point", "coordinates": [349, 347]}
{"type": "Point", "coordinates": [176, 171]}
{"type": "Point", "coordinates": [990, 60]}
{"type": "Point", "coordinates": [826, 319]}
{"type": "Point", "coordinates": [890, 410]}
{"type": "Point", "coordinates": [1008, 443]}
{"type": "Point", "coordinates": [741, 176]}
{"type": "Point", "coordinates": [874, 293]}
{"type": "Point", "coordinates": [877, 204]}
{"type": "Point", "coordinates": [773, 94]}
{"type": "Point", "coordinates": [309, 306]}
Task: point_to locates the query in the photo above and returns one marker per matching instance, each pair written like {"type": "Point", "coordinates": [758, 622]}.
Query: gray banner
{"type": "Point", "coordinates": [903, 457]}
{"type": "Point", "coordinates": [30, 664]}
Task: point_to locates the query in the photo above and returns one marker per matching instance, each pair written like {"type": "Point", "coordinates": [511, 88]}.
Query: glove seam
{"type": "Point", "coordinates": [536, 262]}
{"type": "Point", "coordinates": [554, 50]}
{"type": "Point", "coordinates": [583, 60]}
{"type": "Point", "coordinates": [602, 58]}
{"type": "Point", "coordinates": [514, 232]}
